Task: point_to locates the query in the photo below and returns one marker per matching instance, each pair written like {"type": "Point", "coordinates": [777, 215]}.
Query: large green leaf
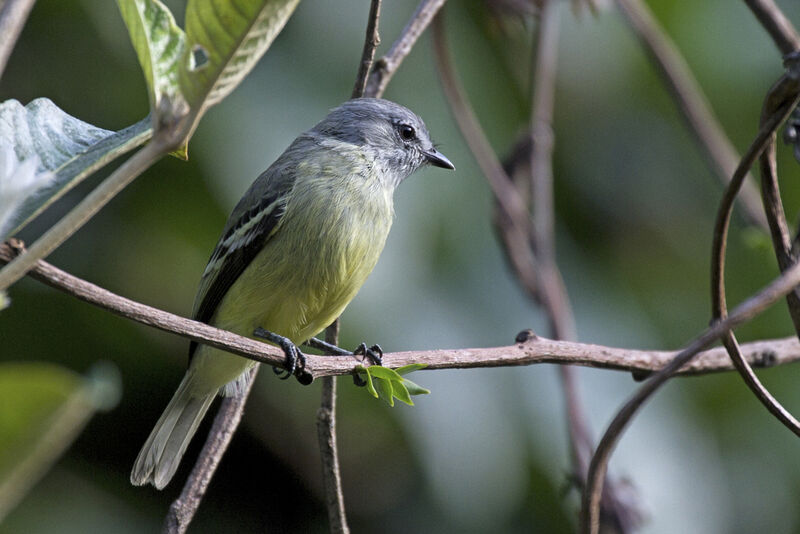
{"type": "Point", "coordinates": [43, 407]}
{"type": "Point", "coordinates": [225, 39]}
{"type": "Point", "coordinates": [41, 138]}
{"type": "Point", "coordinates": [160, 45]}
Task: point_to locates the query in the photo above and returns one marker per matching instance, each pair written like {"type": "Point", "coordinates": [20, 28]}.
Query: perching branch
{"type": "Point", "coordinates": [386, 66]}
{"type": "Point", "coordinates": [695, 109]}
{"type": "Point", "coordinates": [13, 14]}
{"type": "Point", "coordinates": [529, 351]}
{"type": "Point", "coordinates": [783, 285]}
{"type": "Point", "coordinates": [371, 43]}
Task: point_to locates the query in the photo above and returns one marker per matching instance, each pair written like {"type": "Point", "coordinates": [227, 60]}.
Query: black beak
{"type": "Point", "coordinates": [438, 159]}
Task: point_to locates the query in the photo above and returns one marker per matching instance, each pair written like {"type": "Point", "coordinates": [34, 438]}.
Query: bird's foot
{"type": "Point", "coordinates": [295, 359]}
{"type": "Point", "coordinates": [374, 353]}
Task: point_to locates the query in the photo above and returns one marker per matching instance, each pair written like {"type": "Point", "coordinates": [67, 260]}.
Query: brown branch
{"type": "Point", "coordinates": [535, 350]}
{"type": "Point", "coordinates": [371, 43]}
{"type": "Point", "coordinates": [13, 14]}
{"type": "Point", "coordinates": [741, 314]}
{"type": "Point", "coordinates": [553, 294]}
{"type": "Point", "coordinates": [718, 150]}
{"type": "Point", "coordinates": [326, 434]}
{"type": "Point", "coordinates": [780, 101]}
{"type": "Point", "coordinates": [763, 141]}
{"type": "Point", "coordinates": [777, 25]}
{"type": "Point", "coordinates": [141, 313]}
{"type": "Point", "coordinates": [386, 66]}
{"type": "Point", "coordinates": [499, 182]}
{"type": "Point", "coordinates": [590, 511]}
{"type": "Point", "coordinates": [227, 420]}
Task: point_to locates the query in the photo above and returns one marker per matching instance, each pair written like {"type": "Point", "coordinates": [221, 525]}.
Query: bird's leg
{"type": "Point", "coordinates": [374, 353]}
{"type": "Point", "coordinates": [293, 354]}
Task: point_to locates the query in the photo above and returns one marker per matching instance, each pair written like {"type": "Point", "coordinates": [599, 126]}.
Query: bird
{"type": "Point", "coordinates": [292, 255]}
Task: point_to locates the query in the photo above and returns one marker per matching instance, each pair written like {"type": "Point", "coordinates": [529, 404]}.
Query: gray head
{"type": "Point", "coordinates": [396, 136]}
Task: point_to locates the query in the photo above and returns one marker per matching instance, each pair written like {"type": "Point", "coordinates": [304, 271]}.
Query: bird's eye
{"type": "Point", "coordinates": [407, 132]}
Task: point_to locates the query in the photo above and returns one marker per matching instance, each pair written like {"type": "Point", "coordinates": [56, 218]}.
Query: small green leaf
{"type": "Point", "coordinates": [368, 379]}
{"type": "Point", "coordinates": [400, 391]}
{"type": "Point", "coordinates": [384, 372]}
{"type": "Point", "coordinates": [415, 389]}
{"type": "Point", "coordinates": [160, 46]}
{"type": "Point", "coordinates": [224, 41]}
{"type": "Point", "coordinates": [44, 407]}
{"type": "Point", "coordinates": [46, 152]}
{"type": "Point", "coordinates": [386, 391]}
{"type": "Point", "coordinates": [410, 368]}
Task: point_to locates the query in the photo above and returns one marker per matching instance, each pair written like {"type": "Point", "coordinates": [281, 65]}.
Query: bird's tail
{"type": "Point", "coordinates": [162, 452]}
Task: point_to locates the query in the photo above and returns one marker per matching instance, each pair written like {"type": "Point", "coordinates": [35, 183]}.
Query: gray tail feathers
{"type": "Point", "coordinates": [162, 452]}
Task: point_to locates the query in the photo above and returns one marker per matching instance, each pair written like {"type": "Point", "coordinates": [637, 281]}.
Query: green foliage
{"type": "Point", "coordinates": [44, 408]}
{"type": "Point", "coordinates": [68, 147]}
{"type": "Point", "coordinates": [231, 35]}
{"type": "Point", "coordinates": [391, 383]}
{"type": "Point", "coordinates": [160, 46]}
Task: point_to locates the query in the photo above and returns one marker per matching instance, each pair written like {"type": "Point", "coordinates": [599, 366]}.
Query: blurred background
{"type": "Point", "coordinates": [486, 450]}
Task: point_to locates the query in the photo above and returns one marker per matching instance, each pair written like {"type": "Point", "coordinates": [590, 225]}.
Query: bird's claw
{"type": "Point", "coordinates": [295, 360]}
{"type": "Point", "coordinates": [373, 353]}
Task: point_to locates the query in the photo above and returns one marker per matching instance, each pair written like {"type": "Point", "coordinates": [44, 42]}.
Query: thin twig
{"type": "Point", "coordinates": [227, 420]}
{"type": "Point", "coordinates": [552, 292]}
{"type": "Point", "coordinates": [326, 433]}
{"type": "Point", "coordinates": [719, 309]}
{"type": "Point", "coordinates": [741, 314]}
{"type": "Point", "coordinates": [780, 101]}
{"type": "Point", "coordinates": [386, 66]}
{"type": "Point", "coordinates": [777, 25]}
{"type": "Point", "coordinates": [590, 511]}
{"type": "Point", "coordinates": [535, 350]}
{"type": "Point", "coordinates": [371, 43]}
{"type": "Point", "coordinates": [692, 103]}
{"type": "Point", "coordinates": [13, 14]}
{"type": "Point", "coordinates": [499, 182]}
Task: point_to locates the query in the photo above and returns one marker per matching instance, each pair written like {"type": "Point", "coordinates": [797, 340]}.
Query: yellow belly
{"type": "Point", "coordinates": [297, 285]}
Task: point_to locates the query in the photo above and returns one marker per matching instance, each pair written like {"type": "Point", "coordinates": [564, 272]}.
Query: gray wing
{"type": "Point", "coordinates": [254, 220]}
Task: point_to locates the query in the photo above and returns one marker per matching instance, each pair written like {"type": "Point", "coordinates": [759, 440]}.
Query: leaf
{"type": "Point", "coordinates": [43, 407]}
{"type": "Point", "coordinates": [384, 372]}
{"type": "Point", "coordinates": [360, 369]}
{"type": "Point", "coordinates": [415, 389]}
{"type": "Point", "coordinates": [410, 368]}
{"type": "Point", "coordinates": [224, 40]}
{"type": "Point", "coordinates": [57, 142]}
{"type": "Point", "coordinates": [399, 390]}
{"type": "Point", "coordinates": [386, 391]}
{"type": "Point", "coordinates": [160, 46]}
{"type": "Point", "coordinates": [391, 383]}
